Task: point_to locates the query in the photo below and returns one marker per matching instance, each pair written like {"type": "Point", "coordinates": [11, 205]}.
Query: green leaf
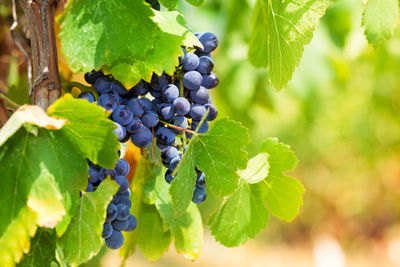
{"type": "Point", "coordinates": [42, 252]}
{"type": "Point", "coordinates": [279, 32]}
{"type": "Point", "coordinates": [187, 229]}
{"type": "Point", "coordinates": [170, 4]}
{"type": "Point", "coordinates": [33, 161]}
{"type": "Point", "coordinates": [130, 46]}
{"type": "Point", "coordinates": [153, 240]}
{"type": "Point", "coordinates": [196, 2]}
{"type": "Point", "coordinates": [218, 153]}
{"type": "Point", "coordinates": [91, 132]}
{"type": "Point", "coordinates": [83, 240]}
{"type": "Point", "coordinates": [16, 238]}
{"type": "Point", "coordinates": [256, 170]}
{"type": "Point", "coordinates": [380, 19]}
{"type": "Point", "coordinates": [241, 216]}
{"type": "Point", "coordinates": [283, 194]}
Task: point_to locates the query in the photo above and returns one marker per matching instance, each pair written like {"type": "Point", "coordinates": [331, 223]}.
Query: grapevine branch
{"type": "Point", "coordinates": [40, 20]}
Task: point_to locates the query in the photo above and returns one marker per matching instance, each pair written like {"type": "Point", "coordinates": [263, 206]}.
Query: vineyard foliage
{"type": "Point", "coordinates": [48, 218]}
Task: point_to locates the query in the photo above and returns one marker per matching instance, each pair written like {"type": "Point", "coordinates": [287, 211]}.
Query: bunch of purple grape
{"type": "Point", "coordinates": [118, 216]}
{"type": "Point", "coordinates": [180, 106]}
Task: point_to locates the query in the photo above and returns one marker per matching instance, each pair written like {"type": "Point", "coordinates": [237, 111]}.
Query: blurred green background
{"type": "Point", "coordinates": [340, 114]}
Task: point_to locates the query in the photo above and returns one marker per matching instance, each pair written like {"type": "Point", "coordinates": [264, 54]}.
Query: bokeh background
{"type": "Point", "coordinates": [340, 114]}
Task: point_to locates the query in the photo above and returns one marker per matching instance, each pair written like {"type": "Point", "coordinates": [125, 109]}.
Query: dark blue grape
{"type": "Point", "coordinates": [135, 106]}
{"type": "Point", "coordinates": [125, 200]}
{"type": "Point", "coordinates": [199, 195]}
{"type": "Point", "coordinates": [200, 96]}
{"type": "Point", "coordinates": [89, 188]}
{"type": "Point", "coordinates": [206, 65]}
{"type": "Point", "coordinates": [165, 135]}
{"type": "Point", "coordinates": [132, 223]}
{"type": "Point", "coordinates": [210, 81]}
{"type": "Point", "coordinates": [149, 119]}
{"type": "Point", "coordinates": [209, 41]}
{"type": "Point", "coordinates": [115, 199]}
{"type": "Point", "coordinates": [111, 212]}
{"type": "Point", "coordinates": [212, 112]}
{"type": "Point", "coordinates": [142, 137]}
{"type": "Point", "coordinates": [127, 193]}
{"type": "Point", "coordinates": [158, 82]}
{"type": "Point", "coordinates": [122, 115]}
{"type": "Point", "coordinates": [122, 167]}
{"type": "Point", "coordinates": [201, 180]}
{"type": "Point", "coordinates": [118, 87]}
{"type": "Point", "coordinates": [122, 182]}
{"type": "Point", "coordinates": [168, 153]}
{"type": "Point", "coordinates": [122, 212]}
{"type": "Point", "coordinates": [140, 88]}
{"type": "Point", "coordinates": [191, 62]}
{"type": "Point", "coordinates": [109, 101]}
{"type": "Point", "coordinates": [170, 93]}
{"type": "Point", "coordinates": [181, 106]}
{"type": "Point", "coordinates": [103, 85]}
{"type": "Point", "coordinates": [126, 139]}
{"type": "Point", "coordinates": [166, 111]}
{"type": "Point", "coordinates": [93, 174]}
{"type": "Point", "coordinates": [107, 172]}
{"type": "Point", "coordinates": [88, 96]}
{"type": "Point", "coordinates": [201, 54]}
{"type": "Point", "coordinates": [155, 94]}
{"type": "Point", "coordinates": [134, 126]}
{"type": "Point", "coordinates": [145, 103]}
{"type": "Point", "coordinates": [203, 128]}
{"type": "Point", "coordinates": [192, 80]}
{"type": "Point", "coordinates": [174, 163]}
{"type": "Point", "coordinates": [120, 225]}
{"type": "Point", "coordinates": [154, 104]}
{"type": "Point", "coordinates": [115, 241]}
{"type": "Point", "coordinates": [107, 230]}
{"type": "Point", "coordinates": [92, 76]}
{"type": "Point", "coordinates": [179, 121]}
{"type": "Point", "coordinates": [120, 131]}
{"type": "Point", "coordinates": [197, 112]}
{"type": "Point", "coordinates": [168, 176]}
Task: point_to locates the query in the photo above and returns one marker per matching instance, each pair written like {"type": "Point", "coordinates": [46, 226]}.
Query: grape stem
{"type": "Point", "coordinates": [9, 101]}
{"type": "Point", "coordinates": [69, 85]}
{"type": "Point", "coordinates": [177, 127]}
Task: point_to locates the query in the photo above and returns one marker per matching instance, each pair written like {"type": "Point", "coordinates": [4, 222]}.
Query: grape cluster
{"type": "Point", "coordinates": [118, 216]}
{"type": "Point", "coordinates": [182, 101]}
{"type": "Point", "coordinates": [180, 105]}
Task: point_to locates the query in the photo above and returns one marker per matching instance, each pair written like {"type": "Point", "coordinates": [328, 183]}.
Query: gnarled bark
{"type": "Point", "coordinates": [46, 81]}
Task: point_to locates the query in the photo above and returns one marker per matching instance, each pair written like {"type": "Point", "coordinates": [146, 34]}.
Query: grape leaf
{"type": "Point", "coordinates": [218, 153]}
{"type": "Point", "coordinates": [380, 19]}
{"type": "Point", "coordinates": [187, 229]}
{"type": "Point", "coordinates": [279, 32]}
{"type": "Point", "coordinates": [283, 194]}
{"type": "Point", "coordinates": [93, 132]}
{"type": "Point", "coordinates": [83, 240]}
{"type": "Point", "coordinates": [256, 170]}
{"type": "Point", "coordinates": [196, 2]}
{"type": "Point", "coordinates": [33, 160]}
{"type": "Point", "coordinates": [241, 216]}
{"type": "Point", "coordinates": [153, 240]}
{"type": "Point", "coordinates": [170, 4]}
{"type": "Point", "coordinates": [16, 238]}
{"type": "Point", "coordinates": [130, 45]}
{"type": "Point", "coordinates": [42, 252]}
